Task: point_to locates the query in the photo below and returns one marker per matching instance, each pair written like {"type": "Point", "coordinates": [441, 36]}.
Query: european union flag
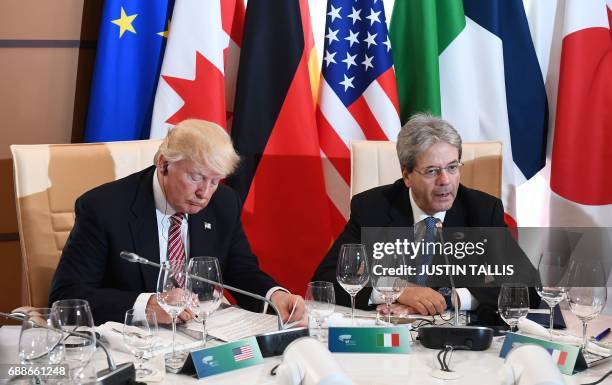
{"type": "Point", "coordinates": [131, 45]}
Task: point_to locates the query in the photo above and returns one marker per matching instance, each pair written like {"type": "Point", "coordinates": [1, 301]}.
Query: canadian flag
{"type": "Point", "coordinates": [198, 74]}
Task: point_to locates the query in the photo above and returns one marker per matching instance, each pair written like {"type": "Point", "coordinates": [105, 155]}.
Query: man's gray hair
{"type": "Point", "coordinates": [422, 131]}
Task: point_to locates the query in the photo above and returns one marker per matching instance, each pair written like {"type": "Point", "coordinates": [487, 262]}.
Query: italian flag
{"type": "Point", "coordinates": [474, 64]}
{"type": "Point", "coordinates": [387, 340]}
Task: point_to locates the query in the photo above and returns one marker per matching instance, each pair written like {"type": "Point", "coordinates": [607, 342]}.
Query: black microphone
{"type": "Point", "coordinates": [113, 375]}
{"type": "Point", "coordinates": [133, 257]}
{"type": "Point", "coordinates": [457, 336]}
{"type": "Point", "coordinates": [270, 344]}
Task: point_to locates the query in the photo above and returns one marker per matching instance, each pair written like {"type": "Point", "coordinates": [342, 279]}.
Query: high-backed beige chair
{"type": "Point", "coordinates": [375, 163]}
{"type": "Point", "coordinates": [48, 179]}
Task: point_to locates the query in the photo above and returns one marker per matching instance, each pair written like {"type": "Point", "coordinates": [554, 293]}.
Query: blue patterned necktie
{"type": "Point", "coordinates": [427, 258]}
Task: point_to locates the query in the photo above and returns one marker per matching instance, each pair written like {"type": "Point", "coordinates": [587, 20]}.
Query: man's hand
{"type": "Point", "coordinates": [162, 316]}
{"type": "Point", "coordinates": [396, 309]}
{"type": "Point", "coordinates": [291, 307]}
{"type": "Point", "coordinates": [424, 300]}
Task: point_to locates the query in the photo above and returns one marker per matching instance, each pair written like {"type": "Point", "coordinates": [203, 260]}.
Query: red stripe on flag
{"type": "Point", "coordinates": [395, 342]}
{"type": "Point", "coordinates": [388, 84]}
{"type": "Point", "coordinates": [367, 121]}
{"type": "Point", "coordinates": [232, 19]}
{"type": "Point", "coordinates": [337, 220]}
{"type": "Point", "coordinates": [562, 358]}
{"type": "Point", "coordinates": [307, 27]}
{"type": "Point", "coordinates": [583, 128]}
{"type": "Point", "coordinates": [333, 147]}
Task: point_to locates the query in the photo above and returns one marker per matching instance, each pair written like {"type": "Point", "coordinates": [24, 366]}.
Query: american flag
{"type": "Point", "coordinates": [242, 353]}
{"type": "Point", "coordinates": [358, 96]}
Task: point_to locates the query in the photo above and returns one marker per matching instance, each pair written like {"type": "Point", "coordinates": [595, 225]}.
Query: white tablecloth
{"type": "Point", "coordinates": [371, 369]}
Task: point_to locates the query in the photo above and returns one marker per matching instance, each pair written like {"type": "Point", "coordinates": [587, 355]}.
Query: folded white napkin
{"type": "Point", "coordinates": [528, 326]}
{"type": "Point", "coordinates": [338, 319]}
{"type": "Point", "coordinates": [113, 333]}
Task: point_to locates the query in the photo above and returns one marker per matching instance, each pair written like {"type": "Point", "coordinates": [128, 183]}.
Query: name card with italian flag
{"type": "Point", "coordinates": [369, 340]}
{"type": "Point", "coordinates": [567, 357]}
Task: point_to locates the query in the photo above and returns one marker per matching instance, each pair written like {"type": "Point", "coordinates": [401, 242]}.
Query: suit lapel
{"type": "Point", "coordinates": [143, 228]}
{"type": "Point", "coordinates": [400, 211]}
{"type": "Point", "coordinates": [455, 217]}
{"type": "Point", "coordinates": [202, 230]}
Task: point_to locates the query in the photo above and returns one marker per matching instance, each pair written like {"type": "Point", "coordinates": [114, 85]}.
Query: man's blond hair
{"type": "Point", "coordinates": [202, 142]}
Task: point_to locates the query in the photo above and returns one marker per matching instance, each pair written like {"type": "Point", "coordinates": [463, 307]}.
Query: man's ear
{"type": "Point", "coordinates": [406, 177]}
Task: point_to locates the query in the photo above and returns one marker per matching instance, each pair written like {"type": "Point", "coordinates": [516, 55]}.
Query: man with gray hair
{"type": "Point", "coordinates": [170, 211]}
{"type": "Point", "coordinates": [429, 192]}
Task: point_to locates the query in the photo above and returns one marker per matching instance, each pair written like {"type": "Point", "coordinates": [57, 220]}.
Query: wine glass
{"type": "Point", "coordinates": [586, 295]}
{"type": "Point", "coordinates": [205, 296]}
{"type": "Point", "coordinates": [173, 298]}
{"type": "Point", "coordinates": [74, 315]}
{"type": "Point", "coordinates": [387, 280]}
{"type": "Point", "coordinates": [551, 288]}
{"type": "Point", "coordinates": [138, 337]}
{"type": "Point", "coordinates": [37, 344]}
{"type": "Point", "coordinates": [352, 271]}
{"type": "Point", "coordinates": [513, 303]}
{"type": "Point", "coordinates": [320, 301]}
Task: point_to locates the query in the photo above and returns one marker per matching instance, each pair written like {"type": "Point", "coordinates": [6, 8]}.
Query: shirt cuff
{"type": "Point", "coordinates": [466, 300]}
{"type": "Point", "coordinates": [269, 295]}
{"type": "Point", "coordinates": [141, 305]}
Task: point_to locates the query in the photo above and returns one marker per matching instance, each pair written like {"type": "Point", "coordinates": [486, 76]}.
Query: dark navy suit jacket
{"type": "Point", "coordinates": [120, 216]}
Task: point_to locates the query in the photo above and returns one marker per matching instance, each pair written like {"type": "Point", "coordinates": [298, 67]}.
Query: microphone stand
{"type": "Point", "coordinates": [113, 375]}
{"type": "Point", "coordinates": [454, 294]}
{"type": "Point", "coordinates": [135, 258]}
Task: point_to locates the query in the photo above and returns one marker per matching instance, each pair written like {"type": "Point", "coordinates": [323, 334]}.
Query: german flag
{"type": "Point", "coordinates": [285, 213]}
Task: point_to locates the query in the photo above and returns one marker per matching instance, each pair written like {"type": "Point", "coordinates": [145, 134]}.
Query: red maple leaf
{"type": "Point", "coordinates": [204, 96]}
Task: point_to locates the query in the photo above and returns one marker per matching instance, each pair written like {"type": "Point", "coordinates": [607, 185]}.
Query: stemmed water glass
{"type": "Point", "coordinates": [173, 298]}
{"type": "Point", "coordinates": [587, 294]}
{"type": "Point", "coordinates": [39, 345]}
{"type": "Point", "coordinates": [552, 271]}
{"type": "Point", "coordinates": [386, 280]}
{"type": "Point", "coordinates": [205, 296]}
{"type": "Point", "coordinates": [74, 315]}
{"type": "Point", "coordinates": [138, 336]}
{"type": "Point", "coordinates": [352, 271]}
{"type": "Point", "coordinates": [320, 301]}
{"type": "Point", "coordinates": [513, 303]}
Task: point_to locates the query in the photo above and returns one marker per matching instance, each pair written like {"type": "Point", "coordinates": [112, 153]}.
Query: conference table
{"type": "Point", "coordinates": [372, 369]}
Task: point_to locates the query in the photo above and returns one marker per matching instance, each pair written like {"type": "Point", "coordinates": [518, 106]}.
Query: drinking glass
{"type": "Point", "coordinates": [551, 288]}
{"type": "Point", "coordinates": [352, 271]}
{"type": "Point", "coordinates": [138, 337]}
{"type": "Point", "coordinates": [513, 303]}
{"type": "Point", "coordinates": [586, 295]}
{"type": "Point", "coordinates": [320, 301]}
{"type": "Point", "coordinates": [74, 315]}
{"type": "Point", "coordinates": [172, 297]}
{"type": "Point", "coordinates": [387, 279]}
{"type": "Point", "coordinates": [205, 296]}
{"type": "Point", "coordinates": [38, 345]}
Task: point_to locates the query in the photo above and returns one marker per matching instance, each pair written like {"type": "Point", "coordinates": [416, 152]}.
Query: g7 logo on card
{"type": "Point", "coordinates": [346, 339]}
{"type": "Point", "coordinates": [210, 361]}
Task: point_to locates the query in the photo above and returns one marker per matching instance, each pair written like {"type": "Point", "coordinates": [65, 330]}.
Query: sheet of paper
{"type": "Point", "coordinates": [233, 323]}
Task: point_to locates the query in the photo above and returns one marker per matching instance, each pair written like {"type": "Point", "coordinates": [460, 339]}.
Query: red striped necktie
{"type": "Point", "coordinates": [176, 248]}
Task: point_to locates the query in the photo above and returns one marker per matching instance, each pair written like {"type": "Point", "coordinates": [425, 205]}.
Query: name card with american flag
{"type": "Point", "coordinates": [568, 358]}
{"type": "Point", "coordinates": [227, 357]}
{"type": "Point", "coordinates": [369, 339]}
